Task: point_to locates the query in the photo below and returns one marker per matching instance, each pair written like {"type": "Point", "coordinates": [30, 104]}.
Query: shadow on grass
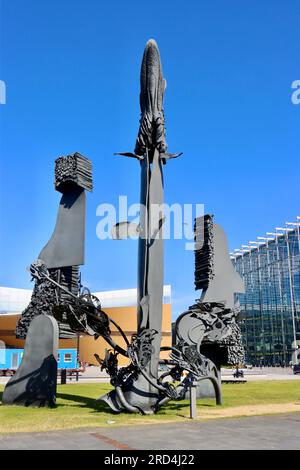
{"type": "Point", "coordinates": [95, 405]}
{"type": "Point", "coordinates": [173, 407]}
{"type": "Point", "coordinates": [86, 402]}
{"type": "Point", "coordinates": [98, 406]}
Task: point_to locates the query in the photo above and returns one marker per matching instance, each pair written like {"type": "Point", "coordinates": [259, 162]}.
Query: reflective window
{"type": "Point", "coordinates": [270, 307]}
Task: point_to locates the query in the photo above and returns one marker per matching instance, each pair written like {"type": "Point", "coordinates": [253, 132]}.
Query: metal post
{"type": "Point", "coordinates": [193, 398]}
{"type": "Point", "coordinates": [78, 343]}
{"type": "Point", "coordinates": [63, 376]}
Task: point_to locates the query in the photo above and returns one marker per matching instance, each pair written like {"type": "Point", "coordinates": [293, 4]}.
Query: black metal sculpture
{"type": "Point", "coordinates": [138, 387]}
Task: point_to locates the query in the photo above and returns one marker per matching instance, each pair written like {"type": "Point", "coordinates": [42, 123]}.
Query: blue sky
{"type": "Point", "coordinates": [71, 70]}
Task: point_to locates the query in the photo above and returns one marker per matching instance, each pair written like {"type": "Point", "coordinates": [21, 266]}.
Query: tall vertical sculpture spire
{"type": "Point", "coordinates": [151, 151]}
{"type": "Point", "coordinates": [151, 144]}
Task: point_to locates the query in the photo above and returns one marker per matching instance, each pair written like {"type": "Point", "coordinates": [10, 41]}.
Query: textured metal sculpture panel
{"type": "Point", "coordinates": [73, 169]}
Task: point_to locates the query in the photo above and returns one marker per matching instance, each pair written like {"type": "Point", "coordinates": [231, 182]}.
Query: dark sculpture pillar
{"type": "Point", "coordinates": [64, 252]}
{"type": "Point", "coordinates": [34, 383]}
{"type": "Point", "coordinates": [142, 391]}
{"type": "Point", "coordinates": [56, 274]}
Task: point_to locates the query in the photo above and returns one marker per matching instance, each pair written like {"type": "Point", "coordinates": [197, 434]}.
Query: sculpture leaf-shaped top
{"type": "Point", "coordinates": [152, 129]}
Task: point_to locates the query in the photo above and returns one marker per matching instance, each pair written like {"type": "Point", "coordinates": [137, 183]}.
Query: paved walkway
{"type": "Point", "coordinates": [264, 432]}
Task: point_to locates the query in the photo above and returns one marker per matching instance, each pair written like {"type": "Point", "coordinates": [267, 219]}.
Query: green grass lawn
{"type": "Point", "coordinates": [77, 408]}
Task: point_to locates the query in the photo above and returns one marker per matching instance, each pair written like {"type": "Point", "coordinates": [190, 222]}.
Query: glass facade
{"type": "Point", "coordinates": [270, 308]}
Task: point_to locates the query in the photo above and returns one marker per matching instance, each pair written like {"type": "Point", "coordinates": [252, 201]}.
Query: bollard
{"type": "Point", "coordinates": [63, 377]}
{"type": "Point", "coordinates": [193, 399]}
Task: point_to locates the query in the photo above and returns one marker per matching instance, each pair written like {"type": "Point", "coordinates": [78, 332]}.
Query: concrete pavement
{"type": "Point", "coordinates": [263, 432]}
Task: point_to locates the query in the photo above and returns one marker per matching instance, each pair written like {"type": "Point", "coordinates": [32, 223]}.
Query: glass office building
{"type": "Point", "coordinates": [270, 308]}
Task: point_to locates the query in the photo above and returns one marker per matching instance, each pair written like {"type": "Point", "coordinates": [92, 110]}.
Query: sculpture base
{"type": "Point", "coordinates": [135, 397]}
{"type": "Point", "coordinates": [34, 383]}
